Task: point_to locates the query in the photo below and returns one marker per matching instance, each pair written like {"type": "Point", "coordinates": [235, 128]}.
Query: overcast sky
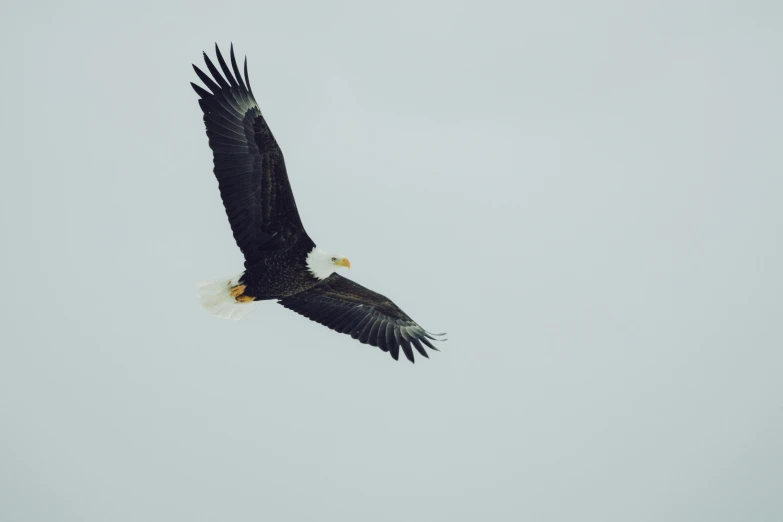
{"type": "Point", "coordinates": [585, 195]}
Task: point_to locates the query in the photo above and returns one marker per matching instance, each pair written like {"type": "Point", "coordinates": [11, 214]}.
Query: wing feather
{"type": "Point", "coordinates": [215, 74]}
{"type": "Point", "coordinates": [224, 67]}
{"type": "Point", "coordinates": [419, 348]}
{"type": "Point", "coordinates": [372, 336]}
{"type": "Point", "coordinates": [364, 335]}
{"type": "Point", "coordinates": [243, 88]}
{"type": "Point", "coordinates": [405, 343]}
{"type": "Point", "coordinates": [357, 328]}
{"type": "Point", "coordinates": [247, 79]}
{"type": "Point", "coordinates": [212, 86]}
{"type": "Point", "coordinates": [428, 343]}
{"type": "Point", "coordinates": [367, 316]}
{"type": "Point", "coordinates": [248, 163]}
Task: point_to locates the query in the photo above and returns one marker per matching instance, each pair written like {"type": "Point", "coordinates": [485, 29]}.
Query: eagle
{"type": "Point", "coordinates": [281, 261]}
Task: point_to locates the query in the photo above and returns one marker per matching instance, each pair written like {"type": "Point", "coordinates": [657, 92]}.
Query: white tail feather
{"type": "Point", "coordinates": [215, 298]}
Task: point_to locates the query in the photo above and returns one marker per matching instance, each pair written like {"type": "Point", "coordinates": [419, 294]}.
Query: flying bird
{"type": "Point", "coordinates": [281, 261]}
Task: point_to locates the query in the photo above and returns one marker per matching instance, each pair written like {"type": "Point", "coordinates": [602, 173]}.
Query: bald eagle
{"type": "Point", "coordinates": [281, 261]}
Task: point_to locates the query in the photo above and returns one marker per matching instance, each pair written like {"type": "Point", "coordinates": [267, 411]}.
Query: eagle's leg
{"type": "Point", "coordinates": [238, 293]}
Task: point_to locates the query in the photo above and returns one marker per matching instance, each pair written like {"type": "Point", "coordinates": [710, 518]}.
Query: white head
{"type": "Point", "coordinates": [322, 264]}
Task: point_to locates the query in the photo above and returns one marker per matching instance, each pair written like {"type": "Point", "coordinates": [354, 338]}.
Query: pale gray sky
{"type": "Point", "coordinates": [585, 195]}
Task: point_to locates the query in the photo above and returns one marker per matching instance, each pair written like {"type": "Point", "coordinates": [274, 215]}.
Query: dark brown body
{"type": "Point", "coordinates": [280, 272]}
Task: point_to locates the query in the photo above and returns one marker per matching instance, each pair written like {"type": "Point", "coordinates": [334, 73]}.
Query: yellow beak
{"type": "Point", "coordinates": [344, 262]}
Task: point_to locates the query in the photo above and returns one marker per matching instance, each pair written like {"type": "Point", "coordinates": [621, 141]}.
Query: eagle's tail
{"type": "Point", "coordinates": [220, 298]}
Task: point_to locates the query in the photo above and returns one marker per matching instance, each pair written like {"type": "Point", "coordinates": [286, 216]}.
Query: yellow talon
{"type": "Point", "coordinates": [238, 290]}
{"type": "Point", "coordinates": [245, 298]}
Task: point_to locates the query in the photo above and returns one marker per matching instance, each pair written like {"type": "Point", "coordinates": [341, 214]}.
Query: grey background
{"type": "Point", "coordinates": [586, 196]}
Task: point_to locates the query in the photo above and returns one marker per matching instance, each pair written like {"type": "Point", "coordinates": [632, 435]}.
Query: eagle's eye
{"type": "Point", "coordinates": [334, 259]}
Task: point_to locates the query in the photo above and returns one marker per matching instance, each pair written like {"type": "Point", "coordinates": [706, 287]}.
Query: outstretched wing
{"type": "Point", "coordinates": [350, 308]}
{"type": "Point", "coordinates": [249, 164]}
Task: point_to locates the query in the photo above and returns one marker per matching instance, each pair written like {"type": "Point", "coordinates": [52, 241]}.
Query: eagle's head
{"type": "Point", "coordinates": [322, 264]}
